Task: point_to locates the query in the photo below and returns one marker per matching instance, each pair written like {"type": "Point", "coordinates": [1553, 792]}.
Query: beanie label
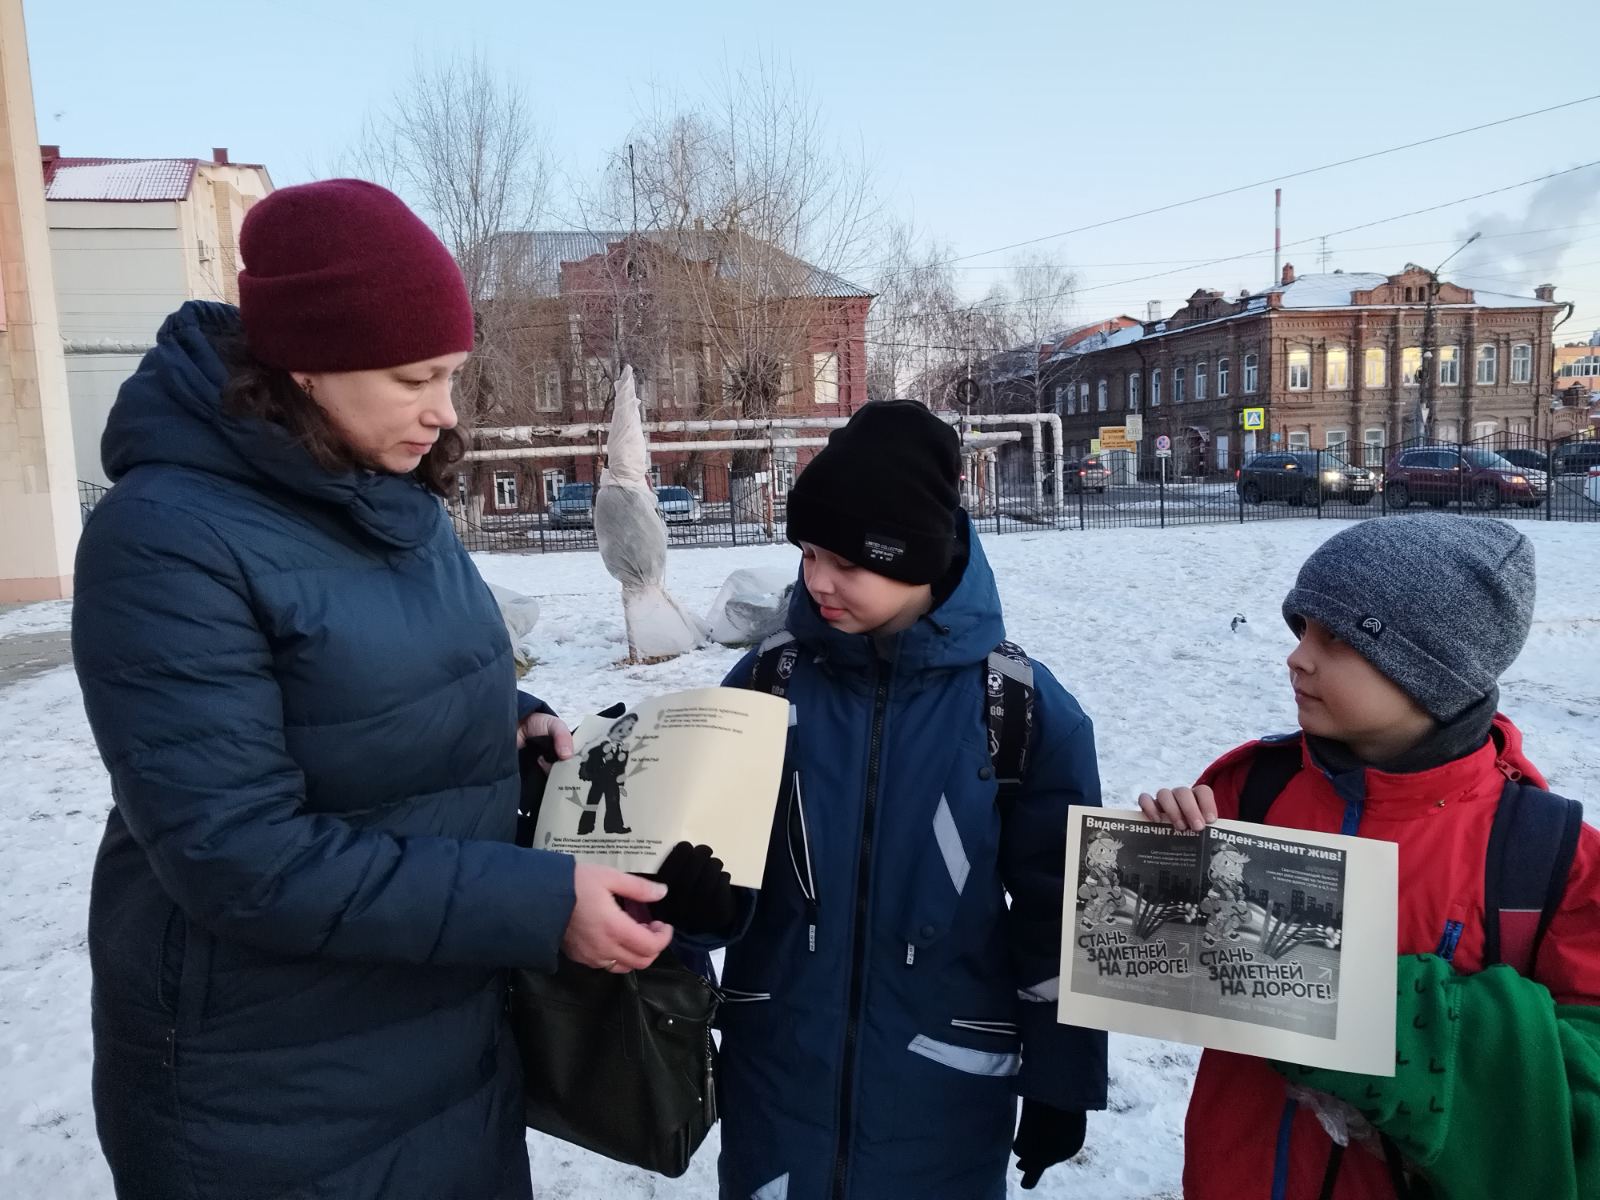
{"type": "Point", "coordinates": [882, 549]}
{"type": "Point", "coordinates": [1372, 625]}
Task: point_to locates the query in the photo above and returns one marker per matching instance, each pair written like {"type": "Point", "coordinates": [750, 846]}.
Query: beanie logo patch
{"type": "Point", "coordinates": [1372, 625]}
{"type": "Point", "coordinates": [881, 549]}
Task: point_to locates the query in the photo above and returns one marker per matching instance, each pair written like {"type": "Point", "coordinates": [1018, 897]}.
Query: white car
{"type": "Point", "coordinates": [677, 506]}
{"type": "Point", "coordinates": [1591, 487]}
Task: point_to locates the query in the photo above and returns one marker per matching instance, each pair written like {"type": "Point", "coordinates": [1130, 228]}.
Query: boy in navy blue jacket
{"type": "Point", "coordinates": [887, 1004]}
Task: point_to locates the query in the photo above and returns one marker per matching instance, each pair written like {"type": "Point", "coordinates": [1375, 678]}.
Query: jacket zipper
{"type": "Point", "coordinates": [880, 703]}
{"type": "Point", "coordinates": [803, 873]}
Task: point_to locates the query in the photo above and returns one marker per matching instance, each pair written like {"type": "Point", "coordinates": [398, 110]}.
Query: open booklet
{"type": "Point", "coordinates": [1244, 937]}
{"type": "Point", "coordinates": [700, 766]}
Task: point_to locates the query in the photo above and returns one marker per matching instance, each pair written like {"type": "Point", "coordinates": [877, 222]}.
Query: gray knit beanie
{"type": "Point", "coordinates": [1439, 604]}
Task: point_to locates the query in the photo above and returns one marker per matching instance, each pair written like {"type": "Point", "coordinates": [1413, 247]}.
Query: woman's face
{"type": "Point", "coordinates": [390, 418]}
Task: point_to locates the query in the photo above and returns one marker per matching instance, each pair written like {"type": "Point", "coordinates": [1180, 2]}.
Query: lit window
{"type": "Point", "coordinates": [1375, 371]}
{"type": "Point", "coordinates": [1338, 367]}
{"type": "Point", "coordinates": [1299, 371]}
{"type": "Point", "coordinates": [826, 370]}
{"type": "Point", "coordinates": [1449, 365]}
{"type": "Point", "coordinates": [1411, 366]}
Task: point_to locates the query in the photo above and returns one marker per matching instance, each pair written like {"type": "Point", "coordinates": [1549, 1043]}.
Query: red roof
{"type": "Point", "coordinates": [120, 179]}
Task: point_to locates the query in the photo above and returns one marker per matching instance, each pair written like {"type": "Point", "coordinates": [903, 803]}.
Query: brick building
{"type": "Point", "coordinates": [1336, 359]}
{"type": "Point", "coordinates": [717, 326]}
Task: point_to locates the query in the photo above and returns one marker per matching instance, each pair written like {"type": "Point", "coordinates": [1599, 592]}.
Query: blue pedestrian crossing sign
{"type": "Point", "coordinates": [1255, 418]}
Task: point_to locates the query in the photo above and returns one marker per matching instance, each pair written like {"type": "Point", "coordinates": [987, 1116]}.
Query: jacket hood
{"type": "Point", "coordinates": [169, 412]}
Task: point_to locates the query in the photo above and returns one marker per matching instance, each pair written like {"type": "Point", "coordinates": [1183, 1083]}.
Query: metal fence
{"type": "Point", "coordinates": [1504, 476]}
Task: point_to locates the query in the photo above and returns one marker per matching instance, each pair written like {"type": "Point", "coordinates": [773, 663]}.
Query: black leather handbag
{"type": "Point", "coordinates": [623, 1065]}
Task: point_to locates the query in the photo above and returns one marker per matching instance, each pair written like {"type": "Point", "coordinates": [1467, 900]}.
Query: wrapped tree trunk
{"type": "Point", "coordinates": [633, 538]}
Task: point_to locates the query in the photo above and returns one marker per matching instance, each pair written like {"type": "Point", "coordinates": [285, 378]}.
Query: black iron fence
{"type": "Point", "coordinates": [1504, 475]}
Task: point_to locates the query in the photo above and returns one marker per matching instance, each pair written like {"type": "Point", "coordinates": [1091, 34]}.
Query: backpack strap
{"type": "Point", "coordinates": [1277, 761]}
{"type": "Point", "coordinates": [774, 664]}
{"type": "Point", "coordinates": [1531, 847]}
{"type": "Point", "coordinates": [1008, 711]}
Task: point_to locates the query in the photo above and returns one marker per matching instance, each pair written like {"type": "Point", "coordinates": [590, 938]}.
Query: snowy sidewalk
{"type": "Point", "coordinates": [1137, 623]}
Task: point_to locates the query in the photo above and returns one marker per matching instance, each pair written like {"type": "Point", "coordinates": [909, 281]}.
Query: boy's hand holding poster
{"type": "Point", "coordinates": [700, 766]}
{"type": "Point", "coordinates": [1251, 938]}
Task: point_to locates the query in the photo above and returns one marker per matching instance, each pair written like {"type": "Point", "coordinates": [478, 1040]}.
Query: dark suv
{"type": "Point", "coordinates": [1304, 477]}
{"type": "Point", "coordinates": [1440, 475]}
{"type": "Point", "coordinates": [1578, 458]}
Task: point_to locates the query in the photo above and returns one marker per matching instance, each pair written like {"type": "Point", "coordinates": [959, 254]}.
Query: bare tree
{"type": "Point", "coordinates": [1039, 296]}
{"type": "Point", "coordinates": [463, 146]}
{"type": "Point", "coordinates": [911, 327]}
{"type": "Point", "coordinates": [755, 215]}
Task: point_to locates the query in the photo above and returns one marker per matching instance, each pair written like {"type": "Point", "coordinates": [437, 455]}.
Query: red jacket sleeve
{"type": "Point", "coordinates": [1569, 959]}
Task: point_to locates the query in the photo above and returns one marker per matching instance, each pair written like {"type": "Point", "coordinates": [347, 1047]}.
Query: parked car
{"type": "Point", "coordinates": [1526, 458]}
{"type": "Point", "coordinates": [1088, 474]}
{"type": "Point", "coordinates": [1578, 458]}
{"type": "Point", "coordinates": [573, 507]}
{"type": "Point", "coordinates": [677, 506]}
{"type": "Point", "coordinates": [1440, 475]}
{"type": "Point", "coordinates": [1304, 477]}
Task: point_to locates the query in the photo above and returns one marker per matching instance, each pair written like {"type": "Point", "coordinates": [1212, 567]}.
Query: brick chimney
{"type": "Point", "coordinates": [1288, 274]}
{"type": "Point", "coordinates": [1152, 310]}
{"type": "Point", "coordinates": [219, 155]}
{"type": "Point", "coordinates": [1546, 292]}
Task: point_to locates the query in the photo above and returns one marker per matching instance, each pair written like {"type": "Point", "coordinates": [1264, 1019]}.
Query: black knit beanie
{"type": "Point", "coordinates": [884, 493]}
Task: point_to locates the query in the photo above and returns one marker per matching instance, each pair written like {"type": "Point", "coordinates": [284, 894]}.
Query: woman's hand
{"type": "Point", "coordinates": [600, 934]}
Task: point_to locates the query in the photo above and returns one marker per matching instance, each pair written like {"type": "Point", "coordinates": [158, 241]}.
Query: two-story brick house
{"type": "Point", "coordinates": [1334, 360]}
{"type": "Point", "coordinates": [717, 326]}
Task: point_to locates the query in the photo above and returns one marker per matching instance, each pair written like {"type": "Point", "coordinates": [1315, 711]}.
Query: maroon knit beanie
{"type": "Point", "coordinates": [342, 276]}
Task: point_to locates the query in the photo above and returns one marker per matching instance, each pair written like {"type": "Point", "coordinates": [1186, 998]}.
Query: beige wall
{"type": "Point", "coordinates": [121, 268]}
{"type": "Point", "coordinates": [39, 519]}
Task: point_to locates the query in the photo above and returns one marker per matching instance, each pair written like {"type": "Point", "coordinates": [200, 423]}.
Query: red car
{"type": "Point", "coordinates": [1440, 475]}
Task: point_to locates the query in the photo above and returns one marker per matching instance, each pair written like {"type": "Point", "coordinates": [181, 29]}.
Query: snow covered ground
{"type": "Point", "coordinates": [1136, 622]}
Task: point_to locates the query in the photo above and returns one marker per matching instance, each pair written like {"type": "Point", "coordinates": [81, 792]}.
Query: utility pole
{"type": "Point", "coordinates": [1427, 394]}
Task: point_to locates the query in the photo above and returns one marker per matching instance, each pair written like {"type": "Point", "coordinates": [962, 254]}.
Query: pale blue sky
{"type": "Point", "coordinates": [987, 122]}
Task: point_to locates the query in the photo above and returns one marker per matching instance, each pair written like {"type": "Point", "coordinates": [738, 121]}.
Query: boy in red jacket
{"type": "Point", "coordinates": [1405, 626]}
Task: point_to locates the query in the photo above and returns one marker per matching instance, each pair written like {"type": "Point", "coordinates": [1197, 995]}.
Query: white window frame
{"type": "Point", "coordinates": [1522, 363]}
{"type": "Point", "coordinates": [1447, 431]}
{"type": "Point", "coordinates": [1199, 381]}
{"type": "Point", "coordinates": [1300, 370]}
{"type": "Point", "coordinates": [1252, 374]}
{"type": "Point", "coordinates": [552, 480]}
{"type": "Point", "coordinates": [505, 490]}
{"type": "Point", "coordinates": [1373, 441]}
{"type": "Point", "coordinates": [1102, 395]}
{"type": "Point", "coordinates": [1299, 440]}
{"type": "Point", "coordinates": [1336, 368]}
{"type": "Point", "coordinates": [1155, 388]}
{"type": "Point", "coordinates": [1178, 385]}
{"type": "Point", "coordinates": [1411, 366]}
{"type": "Point", "coordinates": [1083, 396]}
{"type": "Point", "coordinates": [1488, 356]}
{"type": "Point", "coordinates": [825, 370]}
{"type": "Point", "coordinates": [1450, 357]}
{"type": "Point", "coordinates": [1133, 391]}
{"type": "Point", "coordinates": [1224, 369]}
{"type": "Point", "coordinates": [1483, 429]}
{"type": "Point", "coordinates": [1374, 356]}
{"type": "Point", "coordinates": [1335, 439]}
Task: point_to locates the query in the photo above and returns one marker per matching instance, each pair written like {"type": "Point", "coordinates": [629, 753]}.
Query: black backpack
{"type": "Point", "coordinates": [1007, 705]}
{"type": "Point", "coordinates": [1531, 846]}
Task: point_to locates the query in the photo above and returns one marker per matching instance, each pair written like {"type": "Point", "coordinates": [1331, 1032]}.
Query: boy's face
{"type": "Point", "coordinates": [1341, 696]}
{"type": "Point", "coordinates": [853, 599]}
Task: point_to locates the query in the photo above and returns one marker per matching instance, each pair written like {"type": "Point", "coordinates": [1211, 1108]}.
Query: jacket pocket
{"type": "Point", "coordinates": [169, 961]}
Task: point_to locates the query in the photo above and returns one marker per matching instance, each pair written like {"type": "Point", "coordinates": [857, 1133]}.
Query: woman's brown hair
{"type": "Point", "coordinates": [271, 394]}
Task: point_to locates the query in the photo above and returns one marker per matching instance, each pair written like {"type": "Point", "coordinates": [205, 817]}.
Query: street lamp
{"type": "Point", "coordinates": [1426, 399]}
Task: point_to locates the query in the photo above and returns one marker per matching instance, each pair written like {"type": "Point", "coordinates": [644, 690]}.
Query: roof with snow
{"type": "Point", "coordinates": [119, 179]}
{"type": "Point", "coordinates": [1334, 290]}
{"type": "Point", "coordinates": [543, 251]}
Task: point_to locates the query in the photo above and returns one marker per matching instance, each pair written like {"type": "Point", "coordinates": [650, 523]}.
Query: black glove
{"type": "Point", "coordinates": [1046, 1136]}
{"type": "Point", "coordinates": [699, 897]}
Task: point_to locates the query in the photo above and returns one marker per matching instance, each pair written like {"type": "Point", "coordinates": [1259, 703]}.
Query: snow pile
{"type": "Point", "coordinates": [1136, 622]}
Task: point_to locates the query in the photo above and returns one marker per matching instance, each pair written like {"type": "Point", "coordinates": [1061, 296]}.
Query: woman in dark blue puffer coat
{"type": "Point", "coordinates": [305, 697]}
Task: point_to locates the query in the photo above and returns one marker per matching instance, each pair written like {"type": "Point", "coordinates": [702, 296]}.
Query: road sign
{"type": "Point", "coordinates": [1255, 418]}
{"type": "Point", "coordinates": [1115, 437]}
{"type": "Point", "coordinates": [1133, 423]}
{"type": "Point", "coordinates": [1277, 437]}
{"type": "Point", "coordinates": [1094, 445]}
{"type": "Point", "coordinates": [1163, 446]}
